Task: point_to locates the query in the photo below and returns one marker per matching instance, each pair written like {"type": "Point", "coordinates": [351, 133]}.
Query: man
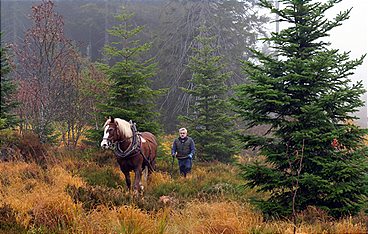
{"type": "Point", "coordinates": [183, 148]}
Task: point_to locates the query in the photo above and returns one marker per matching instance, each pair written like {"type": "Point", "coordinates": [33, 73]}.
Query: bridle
{"type": "Point", "coordinates": [134, 147]}
{"type": "Point", "coordinates": [110, 142]}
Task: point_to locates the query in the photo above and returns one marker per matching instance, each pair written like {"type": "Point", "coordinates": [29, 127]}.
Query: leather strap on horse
{"type": "Point", "coordinates": [147, 160]}
{"type": "Point", "coordinates": [134, 147]}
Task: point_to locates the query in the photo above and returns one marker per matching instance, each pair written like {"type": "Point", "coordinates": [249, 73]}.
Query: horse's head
{"type": "Point", "coordinates": [111, 133]}
{"type": "Point", "coordinates": [115, 130]}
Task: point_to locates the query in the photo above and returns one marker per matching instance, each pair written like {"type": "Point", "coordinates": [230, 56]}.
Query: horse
{"type": "Point", "coordinates": [134, 151]}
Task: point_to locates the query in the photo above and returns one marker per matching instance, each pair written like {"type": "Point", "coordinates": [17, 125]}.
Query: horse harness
{"type": "Point", "coordinates": [134, 148]}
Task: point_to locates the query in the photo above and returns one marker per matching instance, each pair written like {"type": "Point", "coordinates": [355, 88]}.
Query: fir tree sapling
{"type": "Point", "coordinates": [131, 97]}
{"type": "Point", "coordinates": [209, 118]}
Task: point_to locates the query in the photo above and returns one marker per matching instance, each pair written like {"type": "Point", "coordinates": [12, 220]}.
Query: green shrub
{"type": "Point", "coordinates": [92, 196]}
{"type": "Point", "coordinates": [101, 176]}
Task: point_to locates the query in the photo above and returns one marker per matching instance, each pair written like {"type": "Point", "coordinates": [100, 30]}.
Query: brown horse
{"type": "Point", "coordinates": [134, 151]}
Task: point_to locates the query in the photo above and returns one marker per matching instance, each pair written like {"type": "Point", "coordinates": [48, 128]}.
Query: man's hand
{"type": "Point", "coordinates": [190, 155]}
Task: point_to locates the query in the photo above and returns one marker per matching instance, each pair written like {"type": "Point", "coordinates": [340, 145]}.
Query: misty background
{"type": "Point", "coordinates": [353, 36]}
{"type": "Point", "coordinates": [171, 27]}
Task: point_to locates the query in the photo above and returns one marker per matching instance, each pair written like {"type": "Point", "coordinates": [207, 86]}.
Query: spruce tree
{"type": "Point", "coordinates": [209, 122]}
{"type": "Point", "coordinates": [131, 98]}
{"type": "Point", "coordinates": [7, 118]}
{"type": "Point", "coordinates": [315, 156]}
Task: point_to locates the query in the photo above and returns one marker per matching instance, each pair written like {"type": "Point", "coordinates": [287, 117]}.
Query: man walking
{"type": "Point", "coordinates": [183, 148]}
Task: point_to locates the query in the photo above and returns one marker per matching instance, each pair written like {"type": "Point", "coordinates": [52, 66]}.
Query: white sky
{"type": "Point", "coordinates": [351, 36]}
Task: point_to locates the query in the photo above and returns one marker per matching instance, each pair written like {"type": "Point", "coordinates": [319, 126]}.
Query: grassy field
{"type": "Point", "coordinates": [84, 192]}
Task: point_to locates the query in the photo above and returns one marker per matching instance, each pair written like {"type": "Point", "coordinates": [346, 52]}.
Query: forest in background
{"type": "Point", "coordinates": [170, 26]}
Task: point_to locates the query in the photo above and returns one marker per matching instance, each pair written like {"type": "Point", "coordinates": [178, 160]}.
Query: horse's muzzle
{"type": "Point", "coordinates": [105, 144]}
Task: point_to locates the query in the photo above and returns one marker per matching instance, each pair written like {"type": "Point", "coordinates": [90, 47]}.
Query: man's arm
{"type": "Point", "coordinates": [192, 149]}
{"type": "Point", "coordinates": [173, 149]}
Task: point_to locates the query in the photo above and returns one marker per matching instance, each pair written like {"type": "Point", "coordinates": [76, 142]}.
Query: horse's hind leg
{"type": "Point", "coordinates": [152, 168]}
{"type": "Point", "coordinates": [137, 180]}
{"type": "Point", "coordinates": [145, 175]}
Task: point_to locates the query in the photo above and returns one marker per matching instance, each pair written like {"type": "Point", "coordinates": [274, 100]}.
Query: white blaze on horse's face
{"type": "Point", "coordinates": [104, 142]}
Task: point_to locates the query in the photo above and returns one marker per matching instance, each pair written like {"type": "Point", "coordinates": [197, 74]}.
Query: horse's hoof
{"type": "Point", "coordinates": [135, 193]}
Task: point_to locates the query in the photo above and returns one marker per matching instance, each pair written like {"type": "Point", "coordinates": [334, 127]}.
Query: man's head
{"type": "Point", "coordinates": [183, 132]}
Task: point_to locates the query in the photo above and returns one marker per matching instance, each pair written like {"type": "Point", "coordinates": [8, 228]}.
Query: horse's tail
{"type": "Point", "coordinates": [152, 149]}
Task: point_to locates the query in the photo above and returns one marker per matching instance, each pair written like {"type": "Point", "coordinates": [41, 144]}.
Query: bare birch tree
{"type": "Point", "coordinates": [45, 60]}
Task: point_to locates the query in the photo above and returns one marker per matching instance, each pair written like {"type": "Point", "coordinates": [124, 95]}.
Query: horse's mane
{"type": "Point", "coordinates": [124, 127]}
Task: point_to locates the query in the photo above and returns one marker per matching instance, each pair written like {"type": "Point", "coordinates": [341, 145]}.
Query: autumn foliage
{"type": "Point", "coordinates": [57, 88]}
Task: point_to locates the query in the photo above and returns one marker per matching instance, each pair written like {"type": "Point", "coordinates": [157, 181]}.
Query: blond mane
{"type": "Point", "coordinates": [124, 127]}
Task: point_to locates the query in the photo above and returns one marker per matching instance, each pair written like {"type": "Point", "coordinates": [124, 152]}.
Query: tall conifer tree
{"type": "Point", "coordinates": [315, 156]}
{"type": "Point", "coordinates": [132, 98]}
{"type": "Point", "coordinates": [7, 119]}
{"type": "Point", "coordinates": [209, 121]}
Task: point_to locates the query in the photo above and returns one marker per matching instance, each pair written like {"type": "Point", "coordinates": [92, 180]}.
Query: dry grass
{"type": "Point", "coordinates": [217, 217]}
{"type": "Point", "coordinates": [38, 199]}
{"type": "Point", "coordinates": [37, 196]}
{"type": "Point", "coordinates": [123, 219]}
{"type": "Point", "coordinates": [157, 178]}
{"type": "Point", "coordinates": [343, 226]}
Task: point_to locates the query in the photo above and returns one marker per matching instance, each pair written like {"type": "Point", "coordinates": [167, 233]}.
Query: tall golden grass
{"type": "Point", "coordinates": [38, 199]}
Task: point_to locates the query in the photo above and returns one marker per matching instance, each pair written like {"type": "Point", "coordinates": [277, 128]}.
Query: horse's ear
{"type": "Point", "coordinates": [111, 119]}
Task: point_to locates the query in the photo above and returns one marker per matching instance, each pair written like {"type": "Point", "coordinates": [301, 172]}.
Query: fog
{"type": "Point", "coordinates": [353, 36]}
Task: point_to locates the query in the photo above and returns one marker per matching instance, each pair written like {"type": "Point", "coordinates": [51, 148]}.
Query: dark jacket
{"type": "Point", "coordinates": [183, 147]}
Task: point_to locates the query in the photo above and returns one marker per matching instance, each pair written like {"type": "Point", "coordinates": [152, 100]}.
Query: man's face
{"type": "Point", "coordinates": [182, 134]}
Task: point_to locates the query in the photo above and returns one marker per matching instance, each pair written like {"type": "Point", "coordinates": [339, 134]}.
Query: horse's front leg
{"type": "Point", "coordinates": [127, 180]}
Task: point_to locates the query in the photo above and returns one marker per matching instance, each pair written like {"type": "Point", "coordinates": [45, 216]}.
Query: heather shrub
{"type": "Point", "coordinates": [101, 176]}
